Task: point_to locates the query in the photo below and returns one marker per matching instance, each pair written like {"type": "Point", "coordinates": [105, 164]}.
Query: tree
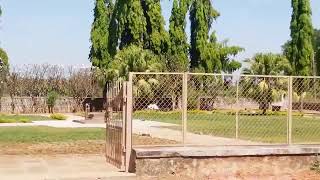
{"type": "Point", "coordinates": [201, 17]}
{"type": "Point", "coordinates": [316, 48]}
{"type": "Point", "coordinates": [4, 57]}
{"type": "Point", "coordinates": [99, 53]}
{"type": "Point", "coordinates": [178, 57]}
{"type": "Point", "coordinates": [51, 100]}
{"type": "Point", "coordinates": [265, 90]}
{"type": "Point", "coordinates": [206, 53]}
{"type": "Point", "coordinates": [300, 53]}
{"type": "Point", "coordinates": [131, 22]}
{"type": "Point", "coordinates": [134, 59]}
{"type": "Point", "coordinates": [217, 57]}
{"type": "Point", "coordinates": [268, 64]}
{"type": "Point", "coordinates": [156, 38]}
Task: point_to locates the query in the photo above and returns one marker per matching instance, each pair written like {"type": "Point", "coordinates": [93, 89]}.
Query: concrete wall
{"type": "Point", "coordinates": [278, 163]}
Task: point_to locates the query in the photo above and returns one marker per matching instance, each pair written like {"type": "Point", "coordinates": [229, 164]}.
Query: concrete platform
{"type": "Point", "coordinates": [225, 151]}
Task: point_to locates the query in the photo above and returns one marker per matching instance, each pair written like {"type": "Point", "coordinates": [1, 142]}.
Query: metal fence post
{"type": "Point", "coordinates": [289, 126]}
{"type": "Point", "coordinates": [129, 122]}
{"type": "Point", "coordinates": [184, 107]}
{"type": "Point", "coordinates": [237, 111]}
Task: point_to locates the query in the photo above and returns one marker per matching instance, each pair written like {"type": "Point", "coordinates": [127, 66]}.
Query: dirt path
{"type": "Point", "coordinates": [58, 167]}
{"type": "Point", "coordinates": [163, 131]}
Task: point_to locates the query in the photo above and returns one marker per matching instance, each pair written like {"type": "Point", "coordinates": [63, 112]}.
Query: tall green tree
{"type": "Point", "coordinates": [156, 38]}
{"type": "Point", "coordinates": [301, 52]}
{"type": "Point", "coordinates": [217, 57]}
{"type": "Point", "coordinates": [99, 53]}
{"type": "Point", "coordinates": [316, 48]}
{"type": "Point", "coordinates": [131, 22]}
{"type": "Point", "coordinates": [179, 50]}
{"type": "Point", "coordinates": [201, 17]}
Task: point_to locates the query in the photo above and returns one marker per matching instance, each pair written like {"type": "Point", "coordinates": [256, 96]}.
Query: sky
{"type": "Point", "coordinates": [58, 31]}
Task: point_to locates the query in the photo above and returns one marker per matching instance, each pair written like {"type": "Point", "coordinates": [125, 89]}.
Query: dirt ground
{"type": "Point", "coordinates": [76, 147]}
{"type": "Point", "coordinates": [98, 147]}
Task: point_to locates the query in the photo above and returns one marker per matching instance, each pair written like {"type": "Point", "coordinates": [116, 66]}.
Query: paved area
{"type": "Point", "coordinates": [162, 130]}
{"type": "Point", "coordinates": [69, 123]}
{"type": "Point", "coordinates": [59, 167]}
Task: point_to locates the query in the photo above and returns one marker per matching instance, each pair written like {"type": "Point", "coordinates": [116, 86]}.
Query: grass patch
{"type": "Point", "coordinates": [57, 116]}
{"type": "Point", "coordinates": [49, 134]}
{"type": "Point", "coordinates": [5, 118]}
{"type": "Point", "coordinates": [271, 128]}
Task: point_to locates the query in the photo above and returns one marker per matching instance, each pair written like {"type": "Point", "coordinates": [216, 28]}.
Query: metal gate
{"type": "Point", "coordinates": [115, 119]}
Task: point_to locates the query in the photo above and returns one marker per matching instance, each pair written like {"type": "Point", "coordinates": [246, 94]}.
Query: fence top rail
{"type": "Point", "coordinates": [217, 74]}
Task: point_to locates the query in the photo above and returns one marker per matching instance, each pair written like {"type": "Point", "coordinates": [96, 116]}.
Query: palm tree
{"type": "Point", "coordinates": [265, 90]}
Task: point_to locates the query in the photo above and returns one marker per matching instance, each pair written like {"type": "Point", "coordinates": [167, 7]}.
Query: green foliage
{"type": "Point", "coordinates": [134, 59]}
{"type": "Point", "coordinates": [301, 53]}
{"type": "Point", "coordinates": [21, 118]}
{"type": "Point", "coordinates": [4, 57]}
{"type": "Point", "coordinates": [206, 53]}
{"type": "Point", "coordinates": [201, 17]}
{"type": "Point", "coordinates": [268, 64]}
{"type": "Point", "coordinates": [52, 98]}
{"type": "Point", "coordinates": [131, 22]}
{"type": "Point", "coordinates": [156, 38]}
{"type": "Point", "coordinates": [58, 116]}
{"type": "Point", "coordinates": [179, 50]}
{"type": "Point", "coordinates": [316, 48]}
{"type": "Point", "coordinates": [99, 53]}
{"type": "Point", "coordinates": [216, 57]}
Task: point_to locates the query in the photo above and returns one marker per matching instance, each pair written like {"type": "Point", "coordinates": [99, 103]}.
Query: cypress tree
{"type": "Point", "coordinates": [202, 15]}
{"type": "Point", "coordinates": [178, 38]}
{"type": "Point", "coordinates": [157, 38]}
{"type": "Point", "coordinates": [99, 53]}
{"type": "Point", "coordinates": [301, 51]}
{"type": "Point", "coordinates": [131, 22]}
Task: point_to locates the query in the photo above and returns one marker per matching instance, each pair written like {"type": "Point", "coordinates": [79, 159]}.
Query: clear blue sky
{"type": "Point", "coordinates": [57, 31]}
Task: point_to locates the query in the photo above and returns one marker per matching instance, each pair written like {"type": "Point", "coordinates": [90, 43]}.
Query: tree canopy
{"type": "Point", "coordinates": [99, 53]}
{"type": "Point", "coordinates": [299, 50]}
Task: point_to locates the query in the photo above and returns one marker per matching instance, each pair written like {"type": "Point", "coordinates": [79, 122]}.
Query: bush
{"type": "Point", "coordinates": [51, 100]}
{"type": "Point", "coordinates": [57, 116]}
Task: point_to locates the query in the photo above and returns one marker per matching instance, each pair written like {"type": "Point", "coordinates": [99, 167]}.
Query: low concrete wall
{"type": "Point", "coordinates": [277, 162]}
{"type": "Point", "coordinates": [38, 105]}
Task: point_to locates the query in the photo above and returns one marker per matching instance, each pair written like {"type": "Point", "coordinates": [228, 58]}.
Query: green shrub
{"type": "Point", "coordinates": [51, 100]}
{"type": "Point", "coordinates": [58, 116]}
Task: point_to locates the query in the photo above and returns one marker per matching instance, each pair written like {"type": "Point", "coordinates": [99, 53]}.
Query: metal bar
{"type": "Point", "coordinates": [241, 75]}
{"type": "Point", "coordinates": [129, 122]}
{"type": "Point", "coordinates": [155, 73]}
{"type": "Point", "coordinates": [184, 107]}
{"type": "Point", "coordinates": [237, 111]}
{"type": "Point", "coordinates": [289, 127]}
{"type": "Point", "coordinates": [124, 118]}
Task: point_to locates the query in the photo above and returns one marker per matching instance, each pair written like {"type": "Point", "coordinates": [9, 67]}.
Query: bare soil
{"type": "Point", "coordinates": [74, 147]}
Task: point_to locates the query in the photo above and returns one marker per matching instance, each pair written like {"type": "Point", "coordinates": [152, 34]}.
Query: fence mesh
{"type": "Point", "coordinates": [215, 109]}
{"type": "Point", "coordinates": [157, 107]}
{"type": "Point", "coordinates": [306, 109]}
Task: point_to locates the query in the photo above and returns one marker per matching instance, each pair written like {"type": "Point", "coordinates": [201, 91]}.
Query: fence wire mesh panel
{"type": "Point", "coordinates": [157, 109]}
{"type": "Point", "coordinates": [263, 109]}
{"type": "Point", "coordinates": [211, 116]}
{"type": "Point", "coordinates": [306, 110]}
{"type": "Point", "coordinates": [115, 124]}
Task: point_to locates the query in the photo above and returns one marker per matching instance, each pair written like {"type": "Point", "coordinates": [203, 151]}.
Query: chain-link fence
{"type": "Point", "coordinates": [216, 109]}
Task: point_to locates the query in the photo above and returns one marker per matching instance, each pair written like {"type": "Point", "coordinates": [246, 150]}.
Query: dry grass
{"type": "Point", "coordinates": [71, 147]}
